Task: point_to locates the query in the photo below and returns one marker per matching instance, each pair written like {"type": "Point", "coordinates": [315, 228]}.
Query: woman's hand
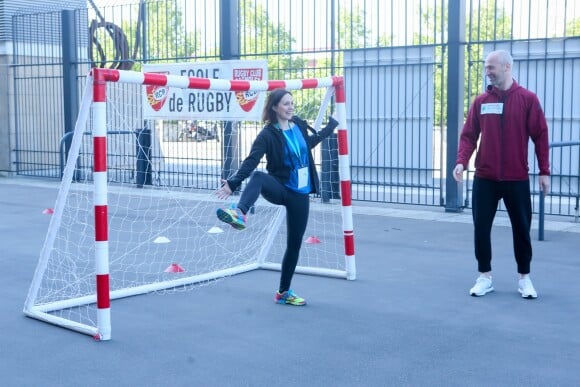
{"type": "Point", "coordinates": [224, 191]}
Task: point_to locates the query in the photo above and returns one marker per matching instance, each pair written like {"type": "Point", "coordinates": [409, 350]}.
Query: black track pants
{"type": "Point", "coordinates": [297, 209]}
{"type": "Point", "coordinates": [516, 197]}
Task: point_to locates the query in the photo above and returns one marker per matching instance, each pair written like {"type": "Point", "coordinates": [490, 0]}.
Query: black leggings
{"type": "Point", "coordinates": [297, 209]}
{"type": "Point", "coordinates": [517, 201]}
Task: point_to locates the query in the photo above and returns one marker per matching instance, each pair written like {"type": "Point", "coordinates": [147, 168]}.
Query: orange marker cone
{"type": "Point", "coordinates": [313, 240]}
{"type": "Point", "coordinates": [174, 268]}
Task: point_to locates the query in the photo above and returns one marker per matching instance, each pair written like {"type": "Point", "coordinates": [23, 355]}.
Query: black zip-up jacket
{"type": "Point", "coordinates": [270, 142]}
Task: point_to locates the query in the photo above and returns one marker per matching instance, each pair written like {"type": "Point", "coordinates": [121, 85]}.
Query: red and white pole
{"type": "Point", "coordinates": [344, 175]}
{"type": "Point", "coordinates": [100, 203]}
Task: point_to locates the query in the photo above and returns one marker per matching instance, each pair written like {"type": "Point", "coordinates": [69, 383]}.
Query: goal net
{"type": "Point", "coordinates": [136, 210]}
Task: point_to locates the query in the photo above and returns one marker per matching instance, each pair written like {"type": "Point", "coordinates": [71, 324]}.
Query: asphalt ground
{"type": "Point", "coordinates": [407, 320]}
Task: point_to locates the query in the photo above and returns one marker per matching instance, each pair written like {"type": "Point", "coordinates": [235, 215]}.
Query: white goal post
{"type": "Point", "coordinates": [111, 238]}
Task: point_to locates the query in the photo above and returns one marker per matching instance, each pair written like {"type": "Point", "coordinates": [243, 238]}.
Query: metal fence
{"type": "Point", "coordinates": [411, 70]}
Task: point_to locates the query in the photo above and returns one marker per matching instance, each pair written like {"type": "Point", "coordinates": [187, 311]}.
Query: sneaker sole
{"type": "Point", "coordinates": [282, 302]}
{"type": "Point", "coordinates": [527, 296]}
{"type": "Point", "coordinates": [488, 290]}
{"type": "Point", "coordinates": [225, 217]}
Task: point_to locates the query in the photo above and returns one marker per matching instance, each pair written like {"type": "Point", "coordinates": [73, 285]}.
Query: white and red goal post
{"type": "Point", "coordinates": [48, 293]}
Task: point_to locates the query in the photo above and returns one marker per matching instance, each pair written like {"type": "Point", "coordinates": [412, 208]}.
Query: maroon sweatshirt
{"type": "Point", "coordinates": [504, 121]}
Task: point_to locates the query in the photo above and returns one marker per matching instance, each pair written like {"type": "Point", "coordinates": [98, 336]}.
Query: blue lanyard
{"type": "Point", "coordinates": [293, 143]}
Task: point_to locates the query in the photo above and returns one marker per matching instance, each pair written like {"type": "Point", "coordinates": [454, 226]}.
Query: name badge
{"type": "Point", "coordinates": [302, 177]}
{"type": "Point", "coordinates": [492, 108]}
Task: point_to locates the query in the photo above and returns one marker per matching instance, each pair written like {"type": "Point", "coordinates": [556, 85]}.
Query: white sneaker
{"type": "Point", "coordinates": [526, 288]}
{"type": "Point", "coordinates": [483, 285]}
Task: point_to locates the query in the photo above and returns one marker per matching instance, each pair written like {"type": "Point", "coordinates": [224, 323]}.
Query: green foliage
{"type": "Point", "coordinates": [573, 28]}
{"type": "Point", "coordinates": [352, 32]}
{"type": "Point", "coordinates": [169, 40]}
{"type": "Point", "coordinates": [489, 23]}
{"type": "Point", "coordinates": [263, 39]}
{"type": "Point", "coordinates": [432, 25]}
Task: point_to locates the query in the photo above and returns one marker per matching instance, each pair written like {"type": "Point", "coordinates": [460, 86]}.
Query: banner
{"type": "Point", "coordinates": [166, 102]}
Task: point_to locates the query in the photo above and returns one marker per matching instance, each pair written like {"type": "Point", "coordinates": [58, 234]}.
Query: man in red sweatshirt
{"type": "Point", "coordinates": [503, 120]}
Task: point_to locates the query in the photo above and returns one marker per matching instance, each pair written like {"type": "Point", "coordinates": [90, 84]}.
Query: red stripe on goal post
{"type": "Point", "coordinates": [238, 85]}
{"type": "Point", "coordinates": [101, 223]}
{"type": "Point", "coordinates": [342, 142]}
{"type": "Point", "coordinates": [99, 85]}
{"type": "Point", "coordinates": [349, 243]}
{"type": "Point", "coordinates": [199, 83]}
{"type": "Point", "coordinates": [345, 193]}
{"type": "Point", "coordinates": [99, 154]}
{"type": "Point", "coordinates": [339, 94]}
{"type": "Point", "coordinates": [276, 85]}
{"type": "Point", "coordinates": [103, 297]}
{"type": "Point", "coordinates": [110, 75]}
{"type": "Point", "coordinates": [155, 79]}
{"type": "Point", "coordinates": [309, 83]}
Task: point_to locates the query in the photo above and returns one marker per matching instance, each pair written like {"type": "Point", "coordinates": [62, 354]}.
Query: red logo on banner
{"type": "Point", "coordinates": [247, 99]}
{"type": "Point", "coordinates": [157, 95]}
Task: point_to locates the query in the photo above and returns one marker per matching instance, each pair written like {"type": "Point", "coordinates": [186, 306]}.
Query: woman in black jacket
{"type": "Point", "coordinates": [291, 178]}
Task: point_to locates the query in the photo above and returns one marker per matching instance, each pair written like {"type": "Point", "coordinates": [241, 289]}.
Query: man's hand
{"type": "Point", "coordinates": [545, 184]}
{"type": "Point", "coordinates": [458, 173]}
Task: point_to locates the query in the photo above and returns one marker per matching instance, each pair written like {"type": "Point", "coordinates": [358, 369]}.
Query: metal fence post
{"type": "Point", "coordinates": [541, 217]}
{"type": "Point", "coordinates": [455, 85]}
{"type": "Point", "coordinates": [229, 49]}
{"type": "Point", "coordinates": [69, 73]}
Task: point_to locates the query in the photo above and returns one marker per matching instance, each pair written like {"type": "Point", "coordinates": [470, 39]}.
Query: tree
{"type": "Point", "coordinates": [166, 39]}
{"type": "Point", "coordinates": [488, 23]}
{"type": "Point", "coordinates": [352, 30]}
{"type": "Point", "coordinates": [169, 40]}
{"type": "Point", "coordinates": [573, 28]}
{"type": "Point", "coordinates": [261, 38]}
{"type": "Point", "coordinates": [484, 24]}
{"type": "Point", "coordinates": [432, 30]}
